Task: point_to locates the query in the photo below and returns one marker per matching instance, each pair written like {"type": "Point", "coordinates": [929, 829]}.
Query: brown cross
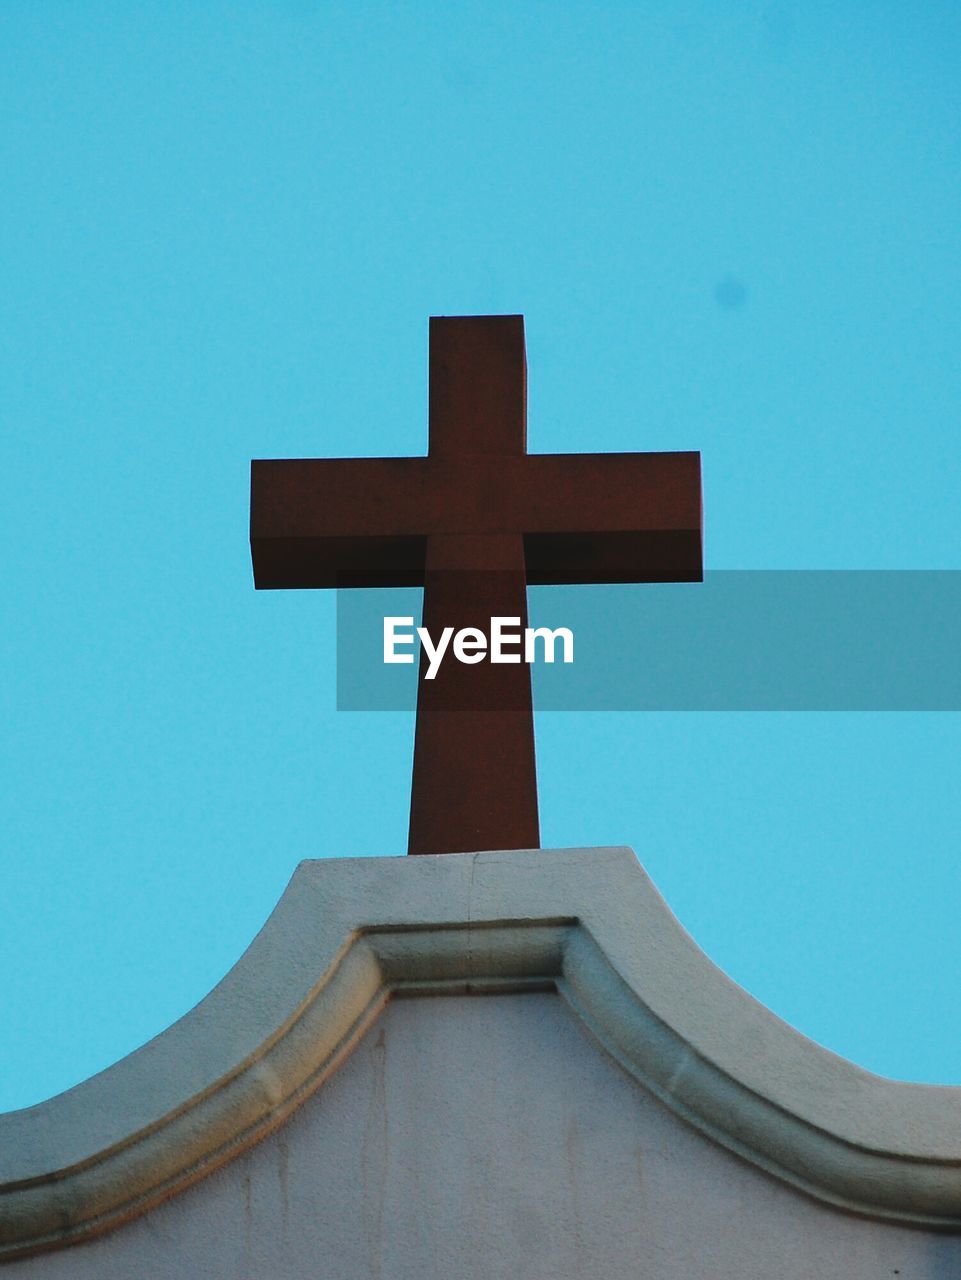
{"type": "Point", "coordinates": [474, 522]}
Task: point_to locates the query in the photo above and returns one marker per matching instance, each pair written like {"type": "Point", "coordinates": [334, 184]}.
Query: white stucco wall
{"type": "Point", "coordinates": [487, 1137]}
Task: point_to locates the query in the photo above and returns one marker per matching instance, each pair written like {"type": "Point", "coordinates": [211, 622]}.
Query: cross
{"type": "Point", "coordinates": [473, 523]}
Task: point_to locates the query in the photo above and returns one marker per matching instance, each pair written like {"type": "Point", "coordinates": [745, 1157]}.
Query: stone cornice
{"type": "Point", "coordinates": [349, 934]}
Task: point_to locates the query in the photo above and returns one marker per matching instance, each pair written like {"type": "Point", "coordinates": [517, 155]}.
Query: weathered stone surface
{"type": "Point", "coordinates": [664, 1023]}
{"type": "Point", "coordinates": [488, 1139]}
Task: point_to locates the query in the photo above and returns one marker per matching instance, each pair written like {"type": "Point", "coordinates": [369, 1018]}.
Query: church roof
{"type": "Point", "coordinates": [349, 934]}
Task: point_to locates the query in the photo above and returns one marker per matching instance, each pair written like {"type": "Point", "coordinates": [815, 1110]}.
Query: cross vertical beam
{"type": "Point", "coordinates": [474, 780]}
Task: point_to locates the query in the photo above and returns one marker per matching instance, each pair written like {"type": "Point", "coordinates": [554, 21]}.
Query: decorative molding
{"type": "Point", "coordinates": [349, 934]}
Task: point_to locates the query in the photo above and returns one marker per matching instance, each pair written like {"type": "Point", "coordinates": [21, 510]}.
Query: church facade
{"type": "Point", "coordinates": [510, 1064]}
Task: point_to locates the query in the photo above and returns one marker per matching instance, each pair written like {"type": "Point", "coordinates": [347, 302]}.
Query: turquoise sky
{"type": "Point", "coordinates": [732, 228]}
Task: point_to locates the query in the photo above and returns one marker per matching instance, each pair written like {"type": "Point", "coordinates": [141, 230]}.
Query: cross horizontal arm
{"type": "Point", "coordinates": [585, 517]}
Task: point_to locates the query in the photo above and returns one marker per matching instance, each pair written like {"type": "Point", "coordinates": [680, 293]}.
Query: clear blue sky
{"type": "Point", "coordinates": [730, 227]}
